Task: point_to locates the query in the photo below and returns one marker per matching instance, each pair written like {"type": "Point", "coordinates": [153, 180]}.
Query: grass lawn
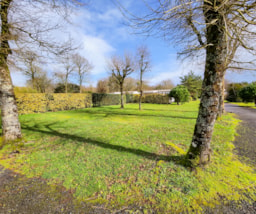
{"type": "Point", "coordinates": [121, 157]}
{"type": "Point", "coordinates": [251, 105]}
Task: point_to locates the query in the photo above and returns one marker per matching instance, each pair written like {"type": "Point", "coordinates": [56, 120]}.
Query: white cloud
{"type": "Point", "coordinates": [97, 50]}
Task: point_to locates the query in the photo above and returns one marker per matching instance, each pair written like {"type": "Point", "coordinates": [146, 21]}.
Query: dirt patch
{"type": "Point", "coordinates": [23, 195]}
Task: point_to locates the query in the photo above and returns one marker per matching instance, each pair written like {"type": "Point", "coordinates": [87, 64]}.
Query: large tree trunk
{"type": "Point", "coordinates": [141, 92]}
{"type": "Point", "coordinates": [66, 86]}
{"type": "Point", "coordinates": [80, 86]}
{"type": "Point", "coordinates": [140, 98]}
{"type": "Point", "coordinates": [10, 121]}
{"type": "Point", "coordinates": [221, 109]}
{"type": "Point", "coordinates": [200, 150]}
{"type": "Point", "coordinates": [11, 129]}
{"type": "Point", "coordinates": [122, 96]}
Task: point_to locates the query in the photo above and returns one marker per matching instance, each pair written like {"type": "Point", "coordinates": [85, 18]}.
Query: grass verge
{"type": "Point", "coordinates": [125, 157]}
{"type": "Point", "coordinates": [250, 105]}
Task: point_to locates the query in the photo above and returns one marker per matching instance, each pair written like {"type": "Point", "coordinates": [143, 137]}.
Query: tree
{"type": "Point", "coordinates": [41, 83]}
{"type": "Point", "coordinates": [233, 91]}
{"type": "Point", "coordinates": [180, 94]}
{"type": "Point", "coordinates": [82, 67]}
{"type": "Point", "coordinates": [21, 30]}
{"type": "Point", "coordinates": [248, 93]}
{"type": "Point", "coordinates": [68, 68]}
{"type": "Point", "coordinates": [71, 88]}
{"type": "Point", "coordinates": [193, 83]}
{"type": "Point", "coordinates": [144, 66]}
{"type": "Point", "coordinates": [112, 84]}
{"type": "Point", "coordinates": [102, 86]}
{"type": "Point", "coordinates": [164, 84]}
{"type": "Point", "coordinates": [32, 68]}
{"type": "Point", "coordinates": [210, 26]}
{"type": "Point", "coordinates": [121, 68]}
{"type": "Point", "coordinates": [130, 84]}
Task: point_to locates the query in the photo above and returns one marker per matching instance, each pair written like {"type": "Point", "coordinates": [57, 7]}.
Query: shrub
{"type": "Point", "coordinates": [59, 102]}
{"type": "Point", "coordinates": [151, 98]}
{"type": "Point", "coordinates": [180, 94]}
{"type": "Point", "coordinates": [31, 102]}
{"type": "Point", "coordinates": [72, 88]}
{"type": "Point", "coordinates": [248, 93]}
{"type": "Point", "coordinates": [39, 102]}
{"type": "Point", "coordinates": [99, 99]}
{"type": "Point", "coordinates": [233, 92]}
{"type": "Point", "coordinates": [130, 98]}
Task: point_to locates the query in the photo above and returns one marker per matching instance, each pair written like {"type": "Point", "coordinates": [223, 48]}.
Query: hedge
{"type": "Point", "coordinates": [39, 102]}
{"type": "Point", "coordinates": [99, 99]}
{"type": "Point", "coordinates": [150, 98]}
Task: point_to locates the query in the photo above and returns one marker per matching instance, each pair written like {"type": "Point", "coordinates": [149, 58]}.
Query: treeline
{"type": "Point", "coordinates": [241, 92]}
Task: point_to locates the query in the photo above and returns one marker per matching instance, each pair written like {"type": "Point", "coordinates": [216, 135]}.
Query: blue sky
{"type": "Point", "coordinates": [100, 31]}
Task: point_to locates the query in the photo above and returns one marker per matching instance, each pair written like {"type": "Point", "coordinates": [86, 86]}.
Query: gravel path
{"type": "Point", "coordinates": [21, 195]}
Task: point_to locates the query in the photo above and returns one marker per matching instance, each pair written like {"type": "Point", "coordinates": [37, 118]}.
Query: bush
{"type": "Point", "coordinates": [40, 102]}
{"type": "Point", "coordinates": [180, 94]}
{"type": "Point", "coordinates": [248, 93]}
{"type": "Point", "coordinates": [99, 99]}
{"type": "Point", "coordinates": [24, 90]}
{"type": "Point", "coordinates": [72, 88]}
{"type": "Point", "coordinates": [151, 98]}
{"type": "Point", "coordinates": [233, 92]}
{"type": "Point", "coordinates": [31, 103]}
{"type": "Point", "coordinates": [130, 98]}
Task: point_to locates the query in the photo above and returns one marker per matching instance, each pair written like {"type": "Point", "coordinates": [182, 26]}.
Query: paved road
{"type": "Point", "coordinates": [245, 142]}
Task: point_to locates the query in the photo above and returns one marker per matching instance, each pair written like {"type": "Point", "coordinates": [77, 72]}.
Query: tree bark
{"type": "Point", "coordinates": [200, 148]}
{"type": "Point", "coordinates": [122, 96]}
{"type": "Point", "coordinates": [221, 109]}
{"type": "Point", "coordinates": [141, 92]}
{"type": "Point", "coordinates": [11, 129]}
{"type": "Point", "coordinates": [80, 86]}
{"type": "Point", "coordinates": [140, 98]}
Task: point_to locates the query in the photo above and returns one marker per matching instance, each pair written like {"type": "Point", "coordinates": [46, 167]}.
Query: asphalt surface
{"type": "Point", "coordinates": [245, 142]}
{"type": "Point", "coordinates": [245, 148]}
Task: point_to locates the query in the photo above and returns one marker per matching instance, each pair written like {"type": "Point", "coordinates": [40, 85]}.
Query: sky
{"type": "Point", "coordinates": [100, 31]}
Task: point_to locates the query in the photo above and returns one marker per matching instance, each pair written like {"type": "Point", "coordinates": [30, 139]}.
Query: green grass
{"type": "Point", "coordinates": [251, 105]}
{"type": "Point", "coordinates": [121, 157]}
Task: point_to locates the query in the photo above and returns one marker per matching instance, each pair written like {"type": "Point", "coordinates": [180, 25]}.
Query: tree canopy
{"type": "Point", "coordinates": [180, 94]}
{"type": "Point", "coordinates": [193, 83]}
{"type": "Point", "coordinates": [248, 93]}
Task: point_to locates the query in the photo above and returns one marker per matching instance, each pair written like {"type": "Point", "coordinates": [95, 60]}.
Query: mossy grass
{"type": "Point", "coordinates": [121, 157]}
{"type": "Point", "coordinates": [250, 105]}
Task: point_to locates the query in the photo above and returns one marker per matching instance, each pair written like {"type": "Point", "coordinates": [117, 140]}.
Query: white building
{"type": "Point", "coordinates": [163, 92]}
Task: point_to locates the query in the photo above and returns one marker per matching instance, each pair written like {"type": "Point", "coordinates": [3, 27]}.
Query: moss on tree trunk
{"type": "Point", "coordinates": [11, 129]}
{"type": "Point", "coordinates": [200, 148]}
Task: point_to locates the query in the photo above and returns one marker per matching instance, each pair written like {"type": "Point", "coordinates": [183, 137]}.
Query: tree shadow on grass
{"type": "Point", "coordinates": [109, 113]}
{"type": "Point", "coordinates": [47, 129]}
